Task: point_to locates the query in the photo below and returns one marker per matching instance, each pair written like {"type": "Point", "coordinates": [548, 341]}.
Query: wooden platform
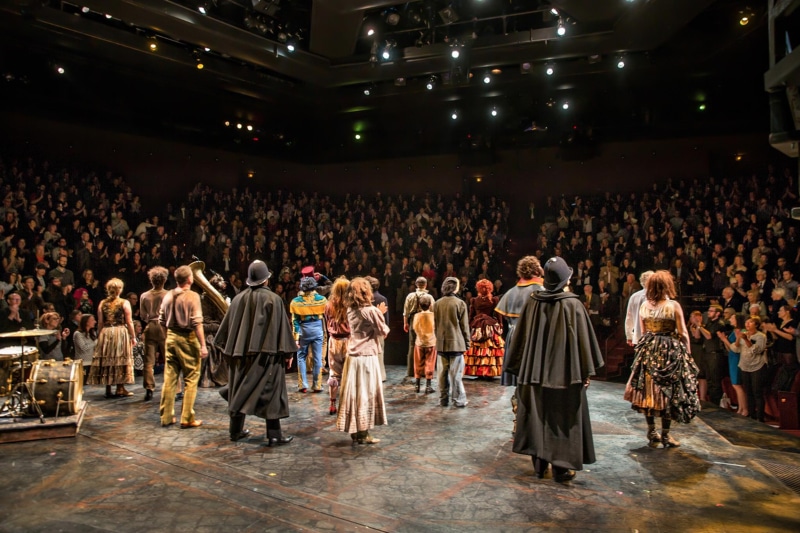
{"type": "Point", "coordinates": [31, 428]}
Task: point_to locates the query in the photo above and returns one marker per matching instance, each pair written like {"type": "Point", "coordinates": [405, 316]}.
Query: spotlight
{"type": "Point", "coordinates": [454, 116]}
{"type": "Point", "coordinates": [227, 123]}
{"type": "Point", "coordinates": [290, 47]}
{"type": "Point", "coordinates": [153, 46]}
{"type": "Point", "coordinates": [494, 111]}
{"type": "Point", "coordinates": [370, 32]}
{"type": "Point", "coordinates": [60, 70]}
{"type": "Point", "coordinates": [108, 16]}
{"type": "Point", "coordinates": [455, 53]}
{"type": "Point", "coordinates": [525, 68]}
{"type": "Point", "coordinates": [744, 21]}
{"type": "Point", "coordinates": [701, 107]}
{"type": "Point", "coordinates": [487, 79]}
{"type": "Point", "coordinates": [392, 17]}
{"type": "Point", "coordinates": [562, 30]}
{"type": "Point", "coordinates": [565, 106]}
{"type": "Point", "coordinates": [239, 126]}
{"type": "Point", "coordinates": [85, 10]}
{"type": "Point", "coordinates": [549, 69]}
{"type": "Point", "coordinates": [200, 65]}
{"type": "Point", "coordinates": [367, 91]}
{"type": "Point", "coordinates": [202, 9]}
{"type": "Point", "coordinates": [207, 49]}
{"type": "Point", "coordinates": [621, 62]}
{"type": "Point", "coordinates": [357, 136]}
{"type": "Point", "coordinates": [431, 83]}
{"type": "Point", "coordinates": [554, 11]}
{"type": "Point", "coordinates": [249, 127]}
{"type": "Point", "coordinates": [550, 102]}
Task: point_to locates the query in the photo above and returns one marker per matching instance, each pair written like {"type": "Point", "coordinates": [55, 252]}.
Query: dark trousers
{"type": "Point", "coordinates": [755, 384]}
{"type": "Point", "coordinates": [714, 377]}
{"type": "Point", "coordinates": [412, 339]}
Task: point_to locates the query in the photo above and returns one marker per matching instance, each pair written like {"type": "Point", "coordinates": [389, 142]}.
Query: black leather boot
{"type": "Point", "coordinates": [237, 430]}
{"type": "Point", "coordinates": [275, 436]}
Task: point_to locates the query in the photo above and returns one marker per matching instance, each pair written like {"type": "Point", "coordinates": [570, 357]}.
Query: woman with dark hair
{"type": "Point", "coordinates": [361, 404]}
{"type": "Point", "coordinates": [484, 358]}
{"type": "Point", "coordinates": [338, 335]}
{"type": "Point", "coordinates": [736, 322]}
{"type": "Point", "coordinates": [85, 340]}
{"type": "Point", "coordinates": [663, 380]}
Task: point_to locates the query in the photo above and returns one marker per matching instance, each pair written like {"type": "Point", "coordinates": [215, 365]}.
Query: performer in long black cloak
{"type": "Point", "coordinates": [256, 337]}
{"type": "Point", "coordinates": [553, 353]}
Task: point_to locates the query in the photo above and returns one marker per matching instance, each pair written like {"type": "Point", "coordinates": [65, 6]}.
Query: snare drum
{"type": "Point", "coordinates": [15, 365]}
{"type": "Point", "coordinates": [49, 378]}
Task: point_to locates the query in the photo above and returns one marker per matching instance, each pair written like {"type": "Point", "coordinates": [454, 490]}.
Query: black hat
{"type": "Point", "coordinates": [257, 273]}
{"type": "Point", "coordinates": [556, 274]}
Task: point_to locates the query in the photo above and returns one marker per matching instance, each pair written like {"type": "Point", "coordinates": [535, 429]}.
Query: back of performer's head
{"type": "Point", "coordinates": [421, 282]}
{"type": "Point", "coordinates": [644, 277]}
{"type": "Point", "coordinates": [359, 293]}
{"type": "Point", "coordinates": [660, 286]}
{"type": "Point", "coordinates": [158, 276]}
{"type": "Point", "coordinates": [529, 267]}
{"type": "Point", "coordinates": [183, 274]}
{"type": "Point", "coordinates": [484, 287]}
{"type": "Point", "coordinates": [450, 286]}
{"type": "Point", "coordinates": [425, 302]}
{"type": "Point", "coordinates": [373, 282]}
{"type": "Point", "coordinates": [114, 287]}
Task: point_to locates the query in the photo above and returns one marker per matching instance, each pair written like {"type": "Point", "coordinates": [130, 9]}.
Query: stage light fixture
{"type": "Point", "coordinates": [392, 17]}
{"type": "Point", "coordinates": [108, 16]}
{"type": "Point", "coordinates": [701, 107]}
{"type": "Point", "coordinates": [200, 65]}
{"type": "Point", "coordinates": [203, 8]}
{"type": "Point", "coordinates": [153, 45]}
{"type": "Point", "coordinates": [554, 11]}
{"type": "Point", "coordinates": [431, 83]}
{"type": "Point", "coordinates": [249, 127]}
{"type": "Point", "coordinates": [227, 123]}
{"type": "Point", "coordinates": [494, 111]}
{"type": "Point", "coordinates": [565, 106]}
{"type": "Point", "coordinates": [357, 136]}
{"type": "Point", "coordinates": [549, 69]}
{"type": "Point", "coordinates": [290, 46]}
{"type": "Point", "coordinates": [454, 115]}
{"type": "Point", "coordinates": [207, 49]}
{"type": "Point", "coordinates": [620, 62]}
{"type": "Point", "coordinates": [85, 10]}
{"type": "Point", "coordinates": [487, 79]}
{"type": "Point", "coordinates": [239, 126]}
{"type": "Point", "coordinates": [386, 54]}
{"type": "Point", "coordinates": [370, 32]}
{"type": "Point", "coordinates": [562, 30]}
{"type": "Point", "coordinates": [60, 70]}
{"type": "Point", "coordinates": [454, 53]}
{"type": "Point", "coordinates": [367, 91]}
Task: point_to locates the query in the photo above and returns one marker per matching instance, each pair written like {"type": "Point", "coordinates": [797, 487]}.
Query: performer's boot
{"type": "Point", "coordinates": [416, 385]}
{"type": "Point", "coordinates": [653, 437]}
{"type": "Point", "coordinates": [666, 439]}
{"type": "Point", "coordinates": [237, 430]}
{"type": "Point", "coordinates": [275, 435]}
{"type": "Point", "coordinates": [428, 387]}
{"type": "Point", "coordinates": [332, 410]}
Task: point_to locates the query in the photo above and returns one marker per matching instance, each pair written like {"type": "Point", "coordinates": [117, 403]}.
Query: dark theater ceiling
{"type": "Point", "coordinates": [298, 71]}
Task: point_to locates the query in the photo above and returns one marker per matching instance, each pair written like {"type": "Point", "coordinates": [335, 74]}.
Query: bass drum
{"type": "Point", "coordinates": [49, 378]}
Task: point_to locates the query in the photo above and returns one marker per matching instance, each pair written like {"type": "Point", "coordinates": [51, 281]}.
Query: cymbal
{"type": "Point", "coordinates": [28, 333]}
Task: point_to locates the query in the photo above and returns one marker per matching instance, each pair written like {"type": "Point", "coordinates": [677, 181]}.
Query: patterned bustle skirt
{"type": "Point", "coordinates": [663, 380]}
{"type": "Point", "coordinates": [485, 355]}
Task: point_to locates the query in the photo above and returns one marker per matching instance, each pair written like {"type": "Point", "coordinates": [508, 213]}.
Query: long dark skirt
{"type": "Point", "coordinates": [554, 425]}
{"type": "Point", "coordinates": [257, 386]}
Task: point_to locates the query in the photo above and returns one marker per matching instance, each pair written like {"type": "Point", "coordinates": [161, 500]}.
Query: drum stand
{"type": "Point", "coordinates": [17, 405]}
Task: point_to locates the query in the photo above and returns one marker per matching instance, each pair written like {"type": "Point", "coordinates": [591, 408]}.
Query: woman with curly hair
{"type": "Point", "coordinates": [485, 357]}
{"type": "Point", "coordinates": [361, 404]}
{"type": "Point", "coordinates": [663, 380]}
{"type": "Point", "coordinates": [338, 335]}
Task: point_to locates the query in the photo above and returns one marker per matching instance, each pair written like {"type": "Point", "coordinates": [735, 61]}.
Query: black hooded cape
{"type": "Point", "coordinates": [552, 352]}
{"type": "Point", "coordinates": [256, 337]}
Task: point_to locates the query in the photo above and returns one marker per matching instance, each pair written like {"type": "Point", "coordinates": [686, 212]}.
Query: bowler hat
{"type": "Point", "coordinates": [257, 273]}
{"type": "Point", "coordinates": [556, 274]}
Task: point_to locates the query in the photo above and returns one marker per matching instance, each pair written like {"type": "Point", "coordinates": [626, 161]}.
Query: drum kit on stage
{"type": "Point", "coordinates": [33, 387]}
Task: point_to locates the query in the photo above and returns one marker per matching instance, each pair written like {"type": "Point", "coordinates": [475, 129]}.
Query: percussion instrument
{"type": "Point", "coordinates": [14, 361]}
{"type": "Point", "coordinates": [57, 386]}
{"type": "Point", "coordinates": [28, 333]}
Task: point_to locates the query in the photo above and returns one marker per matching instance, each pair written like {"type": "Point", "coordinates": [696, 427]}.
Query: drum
{"type": "Point", "coordinates": [12, 359]}
{"type": "Point", "coordinates": [49, 378]}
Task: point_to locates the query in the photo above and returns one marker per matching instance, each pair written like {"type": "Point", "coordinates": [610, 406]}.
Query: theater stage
{"type": "Point", "coordinates": [436, 469]}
